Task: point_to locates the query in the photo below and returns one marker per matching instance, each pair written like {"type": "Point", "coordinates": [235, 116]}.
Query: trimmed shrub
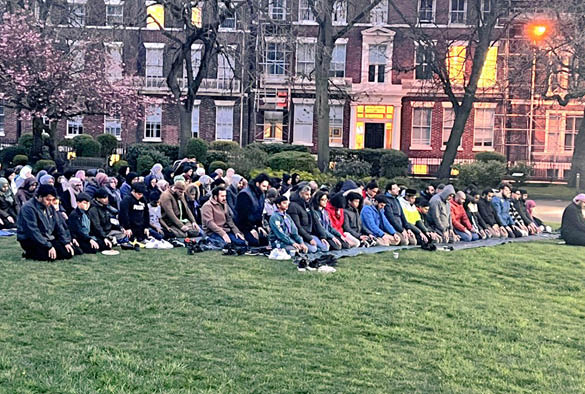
{"type": "Point", "coordinates": [197, 148]}
{"type": "Point", "coordinates": [108, 144]}
{"type": "Point", "coordinates": [354, 169]}
{"type": "Point", "coordinates": [216, 155]}
{"type": "Point", "coordinates": [86, 146]}
{"type": "Point", "coordinates": [7, 154]}
{"type": "Point", "coordinates": [394, 164]}
{"type": "Point", "coordinates": [20, 160]}
{"type": "Point", "coordinates": [277, 148]}
{"type": "Point", "coordinates": [44, 165]}
{"type": "Point", "coordinates": [118, 164]}
{"type": "Point", "coordinates": [225, 146]}
{"type": "Point", "coordinates": [170, 152]}
{"type": "Point", "coordinates": [289, 160]}
{"type": "Point", "coordinates": [247, 160]}
{"type": "Point", "coordinates": [372, 156]}
{"type": "Point", "coordinates": [26, 141]}
{"type": "Point", "coordinates": [482, 174]}
{"type": "Point", "coordinates": [217, 164]}
{"type": "Point", "coordinates": [520, 168]}
{"type": "Point", "coordinates": [149, 158]}
{"type": "Point", "coordinates": [489, 156]}
{"type": "Point", "coordinates": [316, 175]}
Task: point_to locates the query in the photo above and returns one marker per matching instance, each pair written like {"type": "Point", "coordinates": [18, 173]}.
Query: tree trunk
{"type": "Point", "coordinates": [322, 64]}
{"type": "Point", "coordinates": [462, 114]}
{"type": "Point", "coordinates": [185, 131]}
{"type": "Point", "coordinates": [578, 160]}
{"type": "Point", "coordinates": [37, 145]}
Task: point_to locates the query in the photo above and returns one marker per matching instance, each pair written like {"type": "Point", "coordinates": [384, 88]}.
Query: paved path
{"type": "Point", "coordinates": [550, 210]}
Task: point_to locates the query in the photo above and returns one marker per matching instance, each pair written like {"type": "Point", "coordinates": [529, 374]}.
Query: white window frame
{"type": "Point", "coordinates": [112, 123]}
{"type": "Point", "coordinates": [379, 14]}
{"type": "Point", "coordinates": [339, 13]}
{"type": "Point", "coordinates": [336, 124]}
{"type": "Point", "coordinates": [221, 126]}
{"type": "Point", "coordinates": [2, 120]}
{"type": "Point", "coordinates": [479, 116]}
{"type": "Point", "coordinates": [74, 127]}
{"type": "Point", "coordinates": [303, 122]}
{"type": "Point", "coordinates": [458, 16]}
{"type": "Point", "coordinates": [336, 66]}
{"type": "Point", "coordinates": [561, 148]}
{"type": "Point", "coordinates": [196, 54]}
{"type": "Point", "coordinates": [432, 12]}
{"type": "Point", "coordinates": [485, 11]}
{"type": "Point", "coordinates": [276, 63]}
{"type": "Point", "coordinates": [224, 25]}
{"type": "Point", "coordinates": [420, 143]}
{"type": "Point", "coordinates": [306, 15]}
{"type": "Point", "coordinates": [277, 13]}
{"type": "Point", "coordinates": [195, 119]}
{"type": "Point", "coordinates": [305, 63]}
{"type": "Point", "coordinates": [118, 18]}
{"type": "Point", "coordinates": [424, 63]}
{"type": "Point", "coordinates": [74, 17]}
{"type": "Point", "coordinates": [153, 124]}
{"type": "Point", "coordinates": [447, 125]}
{"type": "Point", "coordinates": [377, 62]}
{"type": "Point", "coordinates": [153, 71]}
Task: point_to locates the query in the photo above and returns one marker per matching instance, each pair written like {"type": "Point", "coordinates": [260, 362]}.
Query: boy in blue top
{"type": "Point", "coordinates": [283, 230]}
{"type": "Point", "coordinates": [374, 220]}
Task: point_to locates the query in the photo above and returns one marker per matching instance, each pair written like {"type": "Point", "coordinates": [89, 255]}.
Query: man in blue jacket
{"type": "Point", "coordinates": [283, 232]}
{"type": "Point", "coordinates": [374, 221]}
{"type": "Point", "coordinates": [501, 205]}
{"type": "Point", "coordinates": [40, 232]}
{"type": "Point", "coordinates": [249, 209]}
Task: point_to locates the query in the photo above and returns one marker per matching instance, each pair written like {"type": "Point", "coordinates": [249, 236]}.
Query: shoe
{"type": "Point", "coordinates": [129, 246]}
{"type": "Point", "coordinates": [274, 254]}
{"type": "Point", "coordinates": [151, 244]}
{"type": "Point", "coordinates": [137, 244]}
{"type": "Point", "coordinates": [326, 269]}
{"type": "Point", "coordinates": [283, 255]}
{"type": "Point", "coordinates": [162, 244]}
{"type": "Point", "coordinates": [176, 243]}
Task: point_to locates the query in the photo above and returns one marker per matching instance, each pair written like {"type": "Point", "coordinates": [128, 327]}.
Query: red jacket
{"type": "Point", "coordinates": [459, 217]}
{"type": "Point", "coordinates": [336, 216]}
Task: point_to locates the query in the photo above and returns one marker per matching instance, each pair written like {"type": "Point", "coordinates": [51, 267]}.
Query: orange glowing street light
{"type": "Point", "coordinates": [538, 30]}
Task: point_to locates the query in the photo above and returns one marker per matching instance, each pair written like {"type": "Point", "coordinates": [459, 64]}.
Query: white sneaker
{"type": "Point", "coordinates": [162, 244]}
{"type": "Point", "coordinates": [326, 269]}
{"type": "Point", "coordinates": [274, 254]}
{"type": "Point", "coordinates": [283, 255]}
{"type": "Point", "coordinates": [151, 244]}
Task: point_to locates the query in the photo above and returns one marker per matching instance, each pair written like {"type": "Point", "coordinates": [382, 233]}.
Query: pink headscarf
{"type": "Point", "coordinates": [530, 205]}
{"type": "Point", "coordinates": [579, 197]}
{"type": "Point", "coordinates": [80, 175]}
{"type": "Point", "coordinates": [101, 179]}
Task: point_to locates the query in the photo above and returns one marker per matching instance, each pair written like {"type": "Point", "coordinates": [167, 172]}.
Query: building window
{"type": "Point", "coordinates": [75, 126]}
{"type": "Point", "coordinates": [421, 127]}
{"type": "Point", "coordinates": [425, 11]}
{"type": "Point", "coordinates": [303, 126]}
{"type": "Point", "coordinates": [154, 67]}
{"type": "Point", "coordinates": [155, 16]}
{"type": "Point", "coordinates": [76, 14]}
{"type": "Point", "coordinates": [305, 12]}
{"type": "Point", "coordinates": [572, 125]}
{"type": "Point", "coordinates": [456, 64]}
{"type": "Point", "coordinates": [422, 62]}
{"type": "Point", "coordinates": [486, 9]}
{"type": "Point", "coordinates": [483, 128]}
{"type": "Point", "coordinates": [196, 50]}
{"type": "Point", "coordinates": [457, 15]}
{"type": "Point", "coordinates": [229, 22]}
{"type": "Point", "coordinates": [377, 64]}
{"type": "Point", "coordinates": [114, 66]}
{"type": "Point", "coordinates": [113, 126]}
{"type": "Point", "coordinates": [277, 9]}
{"type": "Point", "coordinates": [339, 15]}
{"type": "Point", "coordinates": [489, 72]}
{"type": "Point", "coordinates": [152, 126]}
{"type": "Point", "coordinates": [305, 59]}
{"type": "Point", "coordinates": [2, 116]}
{"type": "Point", "coordinates": [448, 121]}
{"type": "Point", "coordinates": [224, 122]}
{"type": "Point", "coordinates": [276, 58]}
{"type": "Point", "coordinates": [114, 14]}
{"type": "Point", "coordinates": [196, 16]}
{"type": "Point", "coordinates": [337, 66]}
{"type": "Point", "coordinates": [273, 122]}
{"type": "Point", "coordinates": [336, 125]}
{"type": "Point", "coordinates": [379, 14]}
{"type": "Point", "coordinates": [195, 122]}
{"type": "Point", "coordinates": [225, 67]}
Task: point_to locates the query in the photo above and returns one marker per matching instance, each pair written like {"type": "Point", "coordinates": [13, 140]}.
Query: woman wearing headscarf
{"type": "Point", "coordinates": [162, 185]}
{"type": "Point", "coordinates": [114, 196]}
{"type": "Point", "coordinates": [40, 174]}
{"type": "Point", "coordinates": [8, 205]}
{"type": "Point", "coordinates": [81, 176]}
{"type": "Point", "coordinates": [229, 173]}
{"type": "Point", "coordinates": [156, 171]}
{"type": "Point", "coordinates": [286, 183]}
{"type": "Point", "coordinates": [99, 181]}
{"type": "Point", "coordinates": [295, 179]}
{"type": "Point", "coordinates": [25, 173]}
{"type": "Point", "coordinates": [26, 191]}
{"type": "Point", "coordinates": [69, 202]}
{"type": "Point", "coordinates": [237, 184]}
{"type": "Point", "coordinates": [47, 180]}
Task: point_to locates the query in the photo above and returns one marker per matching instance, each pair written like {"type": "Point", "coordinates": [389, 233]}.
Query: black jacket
{"type": "Point", "coordinates": [133, 213]}
{"type": "Point", "coordinates": [300, 212]}
{"type": "Point", "coordinates": [76, 227]}
{"type": "Point", "coordinates": [487, 213]}
{"type": "Point", "coordinates": [394, 214]}
{"type": "Point", "coordinates": [352, 222]}
{"type": "Point", "coordinates": [520, 207]}
{"type": "Point", "coordinates": [40, 224]}
{"type": "Point", "coordinates": [249, 208]}
{"type": "Point", "coordinates": [100, 216]}
{"type": "Point", "coordinates": [573, 225]}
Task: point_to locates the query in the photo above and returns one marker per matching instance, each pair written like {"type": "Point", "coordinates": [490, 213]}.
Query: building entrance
{"type": "Point", "coordinates": [374, 136]}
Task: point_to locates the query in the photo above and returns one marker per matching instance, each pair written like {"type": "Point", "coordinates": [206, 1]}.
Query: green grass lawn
{"type": "Point", "coordinates": [550, 192]}
{"type": "Point", "coordinates": [508, 319]}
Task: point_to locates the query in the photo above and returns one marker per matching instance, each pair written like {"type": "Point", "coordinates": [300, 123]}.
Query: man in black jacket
{"type": "Point", "coordinates": [352, 221]}
{"type": "Point", "coordinates": [39, 232]}
{"type": "Point", "coordinates": [487, 213]}
{"type": "Point", "coordinates": [80, 227]}
{"type": "Point", "coordinates": [573, 222]}
{"type": "Point", "coordinates": [300, 212]}
{"type": "Point", "coordinates": [395, 215]}
{"type": "Point", "coordinates": [133, 216]}
{"type": "Point", "coordinates": [249, 209]}
{"type": "Point", "coordinates": [102, 216]}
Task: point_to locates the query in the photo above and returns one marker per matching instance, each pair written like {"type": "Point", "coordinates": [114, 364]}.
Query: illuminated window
{"type": "Point", "coordinates": [489, 71]}
{"type": "Point", "coordinates": [421, 127]}
{"type": "Point", "coordinates": [273, 122]}
{"type": "Point", "coordinates": [155, 16]}
{"type": "Point", "coordinates": [336, 125]}
{"type": "Point", "coordinates": [483, 128]}
{"type": "Point", "coordinates": [196, 17]}
{"type": "Point", "coordinates": [456, 64]}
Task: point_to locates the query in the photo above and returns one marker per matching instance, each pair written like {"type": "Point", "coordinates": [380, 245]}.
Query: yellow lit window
{"type": "Point", "coordinates": [489, 71]}
{"type": "Point", "coordinates": [456, 64]}
{"type": "Point", "coordinates": [196, 16]}
{"type": "Point", "coordinates": [155, 13]}
{"type": "Point", "coordinates": [420, 169]}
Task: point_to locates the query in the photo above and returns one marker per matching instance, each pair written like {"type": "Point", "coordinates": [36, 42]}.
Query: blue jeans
{"type": "Point", "coordinates": [465, 237]}
{"type": "Point", "coordinates": [320, 245]}
{"type": "Point", "coordinates": [310, 248]}
{"type": "Point", "coordinates": [216, 239]}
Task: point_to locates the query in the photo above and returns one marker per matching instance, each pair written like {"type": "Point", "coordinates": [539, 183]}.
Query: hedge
{"type": "Point", "coordinates": [170, 152]}
{"type": "Point", "coordinates": [480, 173]}
{"type": "Point", "coordinates": [372, 156]}
{"type": "Point", "coordinates": [394, 164]}
{"type": "Point", "coordinates": [108, 144]}
{"type": "Point", "coordinates": [277, 148]}
{"type": "Point", "coordinates": [289, 160]}
{"type": "Point", "coordinates": [217, 164]}
{"type": "Point", "coordinates": [224, 146]}
{"type": "Point", "coordinates": [20, 160]}
{"type": "Point", "coordinates": [248, 159]}
{"type": "Point", "coordinates": [488, 156]}
{"type": "Point", "coordinates": [316, 175]}
{"type": "Point", "coordinates": [44, 165]}
{"type": "Point", "coordinates": [7, 154]}
{"type": "Point", "coordinates": [355, 169]}
{"type": "Point", "coordinates": [197, 148]}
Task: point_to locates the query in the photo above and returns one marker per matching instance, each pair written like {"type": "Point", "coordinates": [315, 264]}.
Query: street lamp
{"type": "Point", "coordinates": [537, 31]}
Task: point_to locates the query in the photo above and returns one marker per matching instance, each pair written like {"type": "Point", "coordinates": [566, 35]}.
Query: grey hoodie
{"type": "Point", "coordinates": [440, 209]}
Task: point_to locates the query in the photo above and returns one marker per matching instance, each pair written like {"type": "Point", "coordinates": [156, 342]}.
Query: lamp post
{"type": "Point", "coordinates": [537, 31]}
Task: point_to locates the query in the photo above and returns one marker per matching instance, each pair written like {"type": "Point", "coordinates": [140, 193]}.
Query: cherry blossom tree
{"type": "Point", "coordinates": [42, 77]}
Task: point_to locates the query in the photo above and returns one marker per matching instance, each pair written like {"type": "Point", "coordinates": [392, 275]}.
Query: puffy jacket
{"type": "Point", "coordinates": [336, 216]}
{"type": "Point", "coordinates": [249, 208]}
{"type": "Point", "coordinates": [352, 223]}
{"type": "Point", "coordinates": [100, 217]}
{"type": "Point", "coordinates": [502, 209]}
{"type": "Point", "coordinates": [40, 224]}
{"type": "Point", "coordinates": [440, 209]}
{"type": "Point", "coordinates": [283, 230]}
{"type": "Point", "coordinates": [459, 217]}
{"type": "Point", "coordinates": [375, 221]}
{"type": "Point", "coordinates": [322, 227]}
{"type": "Point", "coordinates": [300, 213]}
